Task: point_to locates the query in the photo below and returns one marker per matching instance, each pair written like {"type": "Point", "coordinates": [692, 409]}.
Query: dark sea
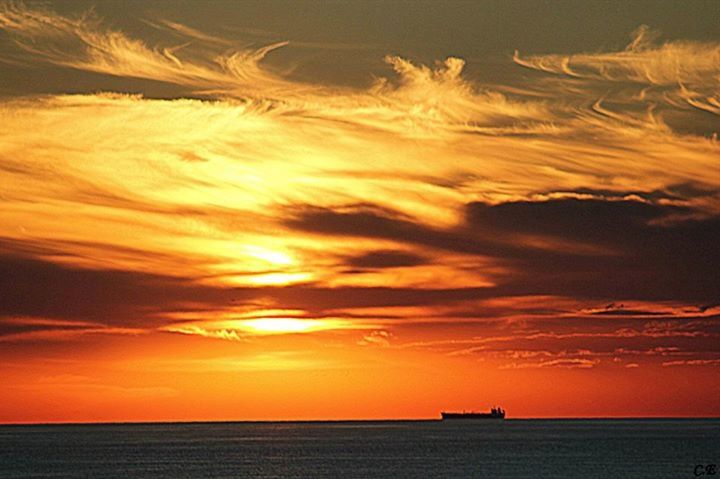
{"type": "Point", "coordinates": [514, 448]}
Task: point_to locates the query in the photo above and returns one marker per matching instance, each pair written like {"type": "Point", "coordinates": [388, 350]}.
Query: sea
{"type": "Point", "coordinates": [513, 448]}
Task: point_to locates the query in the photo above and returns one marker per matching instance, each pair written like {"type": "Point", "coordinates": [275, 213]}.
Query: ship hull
{"type": "Point", "coordinates": [472, 415]}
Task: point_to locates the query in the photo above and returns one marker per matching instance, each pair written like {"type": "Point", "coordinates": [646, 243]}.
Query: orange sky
{"type": "Point", "coordinates": [206, 224]}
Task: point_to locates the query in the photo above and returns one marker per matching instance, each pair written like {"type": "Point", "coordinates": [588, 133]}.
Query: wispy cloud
{"type": "Point", "coordinates": [555, 363]}
{"type": "Point", "coordinates": [84, 43]}
{"type": "Point", "coordinates": [693, 362]}
{"type": "Point", "coordinates": [376, 338]}
{"type": "Point", "coordinates": [422, 198]}
{"type": "Point", "coordinates": [643, 61]}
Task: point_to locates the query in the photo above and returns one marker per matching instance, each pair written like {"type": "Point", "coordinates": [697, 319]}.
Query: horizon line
{"type": "Point", "coordinates": [301, 421]}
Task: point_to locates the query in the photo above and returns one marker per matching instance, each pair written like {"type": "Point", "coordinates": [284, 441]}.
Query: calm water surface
{"type": "Point", "coordinates": [484, 449]}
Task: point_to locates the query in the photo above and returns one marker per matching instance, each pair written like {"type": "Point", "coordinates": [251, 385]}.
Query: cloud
{"type": "Point", "coordinates": [529, 342]}
{"type": "Point", "coordinates": [46, 300]}
{"type": "Point", "coordinates": [643, 61]}
{"type": "Point", "coordinates": [41, 289]}
{"type": "Point", "coordinates": [440, 96]}
{"type": "Point", "coordinates": [604, 247]}
{"type": "Point", "coordinates": [426, 199]}
{"type": "Point", "coordinates": [386, 259]}
{"type": "Point", "coordinates": [556, 363]}
{"type": "Point", "coordinates": [364, 221]}
{"type": "Point", "coordinates": [619, 310]}
{"type": "Point", "coordinates": [23, 328]}
{"type": "Point", "coordinates": [693, 362]}
{"type": "Point", "coordinates": [665, 86]}
{"type": "Point", "coordinates": [376, 338]}
{"type": "Point", "coordinates": [82, 42]}
{"type": "Point", "coordinates": [424, 100]}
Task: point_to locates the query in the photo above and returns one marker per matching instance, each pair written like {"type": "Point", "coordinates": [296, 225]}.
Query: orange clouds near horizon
{"type": "Point", "coordinates": [259, 245]}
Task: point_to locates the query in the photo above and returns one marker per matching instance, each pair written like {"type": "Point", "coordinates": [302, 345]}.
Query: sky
{"type": "Point", "coordinates": [331, 210]}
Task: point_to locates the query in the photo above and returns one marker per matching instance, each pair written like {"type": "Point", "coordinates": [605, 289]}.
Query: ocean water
{"type": "Point", "coordinates": [513, 448]}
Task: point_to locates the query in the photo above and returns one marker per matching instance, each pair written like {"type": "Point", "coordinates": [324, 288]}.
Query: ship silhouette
{"type": "Point", "coordinates": [495, 413]}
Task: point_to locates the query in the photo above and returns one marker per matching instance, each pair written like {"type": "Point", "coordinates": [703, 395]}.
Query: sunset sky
{"type": "Point", "coordinates": [320, 210]}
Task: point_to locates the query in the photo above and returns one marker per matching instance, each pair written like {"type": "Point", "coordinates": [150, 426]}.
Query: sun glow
{"type": "Point", "coordinates": [239, 329]}
{"type": "Point", "coordinates": [278, 258]}
{"type": "Point", "coordinates": [185, 219]}
{"type": "Point", "coordinates": [274, 278]}
{"type": "Point", "coordinates": [288, 325]}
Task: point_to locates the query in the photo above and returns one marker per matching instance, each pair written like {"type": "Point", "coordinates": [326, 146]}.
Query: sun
{"type": "Point", "coordinates": [288, 325]}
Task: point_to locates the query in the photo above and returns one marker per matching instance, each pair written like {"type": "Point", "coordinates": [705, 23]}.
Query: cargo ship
{"type": "Point", "coordinates": [495, 413]}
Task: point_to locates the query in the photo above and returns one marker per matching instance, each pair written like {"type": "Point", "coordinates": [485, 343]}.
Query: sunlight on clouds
{"type": "Point", "coordinates": [286, 325]}
{"type": "Point", "coordinates": [242, 214]}
{"type": "Point", "coordinates": [271, 278]}
{"type": "Point", "coordinates": [671, 63]}
{"type": "Point", "coordinates": [241, 329]}
{"type": "Point", "coordinates": [268, 255]}
{"type": "Point", "coordinates": [83, 43]}
{"type": "Point", "coordinates": [207, 189]}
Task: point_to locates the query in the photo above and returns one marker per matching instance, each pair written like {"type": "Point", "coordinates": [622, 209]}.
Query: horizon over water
{"type": "Point", "coordinates": [513, 448]}
{"type": "Point", "coordinates": [333, 420]}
